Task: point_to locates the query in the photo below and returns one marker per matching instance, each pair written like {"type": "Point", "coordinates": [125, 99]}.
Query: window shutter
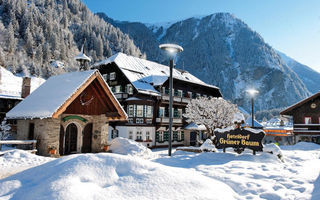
{"type": "Point", "coordinates": [157, 136]}
{"type": "Point", "coordinates": [166, 136]}
{"type": "Point", "coordinates": [182, 136]}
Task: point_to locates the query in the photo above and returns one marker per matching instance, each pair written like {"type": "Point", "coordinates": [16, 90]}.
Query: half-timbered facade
{"type": "Point", "coordinates": [69, 113]}
{"type": "Point", "coordinates": [306, 119]}
{"type": "Point", "coordinates": [142, 88]}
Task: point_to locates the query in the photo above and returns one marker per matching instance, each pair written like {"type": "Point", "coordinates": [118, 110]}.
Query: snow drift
{"type": "Point", "coordinates": [125, 146]}
{"type": "Point", "coordinates": [111, 176]}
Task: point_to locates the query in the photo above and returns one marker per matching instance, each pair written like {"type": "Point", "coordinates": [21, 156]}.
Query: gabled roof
{"type": "Point", "coordinates": [300, 103]}
{"type": "Point", "coordinates": [11, 85]}
{"type": "Point", "coordinates": [144, 74]}
{"type": "Point", "coordinates": [52, 98]}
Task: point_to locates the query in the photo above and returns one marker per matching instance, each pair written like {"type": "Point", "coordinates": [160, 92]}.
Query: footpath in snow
{"type": "Point", "coordinates": [185, 175]}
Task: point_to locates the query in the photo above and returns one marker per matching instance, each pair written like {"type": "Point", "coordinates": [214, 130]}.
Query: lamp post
{"type": "Point", "coordinates": [252, 93]}
{"type": "Point", "coordinates": [172, 49]}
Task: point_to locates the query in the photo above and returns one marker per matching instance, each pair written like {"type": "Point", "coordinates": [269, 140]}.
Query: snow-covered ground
{"type": "Point", "coordinates": [185, 175]}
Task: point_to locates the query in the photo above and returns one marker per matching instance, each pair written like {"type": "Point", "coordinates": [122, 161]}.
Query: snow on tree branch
{"type": "Point", "coordinates": [211, 112]}
{"type": "Point", "coordinates": [4, 130]}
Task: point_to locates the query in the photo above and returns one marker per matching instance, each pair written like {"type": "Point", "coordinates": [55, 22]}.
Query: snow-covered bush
{"type": "Point", "coordinates": [273, 149]}
{"type": "Point", "coordinates": [211, 112]}
{"type": "Point", "coordinates": [208, 146]}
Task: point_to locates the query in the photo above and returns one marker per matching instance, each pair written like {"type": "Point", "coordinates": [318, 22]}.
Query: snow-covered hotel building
{"type": "Point", "coordinates": [142, 88]}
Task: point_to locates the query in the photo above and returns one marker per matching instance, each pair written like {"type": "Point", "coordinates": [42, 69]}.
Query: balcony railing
{"type": "Point", "coordinates": [306, 128]}
{"type": "Point", "coordinates": [176, 99]}
{"type": "Point", "coordinates": [121, 96]}
{"type": "Point", "coordinates": [165, 120]}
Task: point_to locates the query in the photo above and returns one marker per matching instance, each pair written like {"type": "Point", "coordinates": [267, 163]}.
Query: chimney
{"type": "Point", "coordinates": [26, 86]}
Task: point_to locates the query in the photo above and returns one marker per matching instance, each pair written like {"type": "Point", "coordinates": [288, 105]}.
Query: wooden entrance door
{"type": "Point", "coordinates": [71, 139]}
{"type": "Point", "coordinates": [87, 138]}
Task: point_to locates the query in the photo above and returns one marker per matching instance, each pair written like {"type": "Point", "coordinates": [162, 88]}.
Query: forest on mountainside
{"type": "Point", "coordinates": [35, 34]}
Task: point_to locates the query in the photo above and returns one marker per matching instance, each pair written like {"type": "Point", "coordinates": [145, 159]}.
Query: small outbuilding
{"type": "Point", "coordinates": [69, 113]}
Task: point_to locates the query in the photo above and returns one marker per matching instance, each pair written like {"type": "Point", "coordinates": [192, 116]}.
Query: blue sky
{"type": "Point", "coordinates": [290, 26]}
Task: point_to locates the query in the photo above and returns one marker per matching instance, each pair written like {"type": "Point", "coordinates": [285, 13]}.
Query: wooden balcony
{"type": "Point", "coordinates": [306, 129]}
{"type": "Point", "coordinates": [181, 100]}
{"type": "Point", "coordinates": [121, 96]}
{"type": "Point", "coordinates": [165, 120]}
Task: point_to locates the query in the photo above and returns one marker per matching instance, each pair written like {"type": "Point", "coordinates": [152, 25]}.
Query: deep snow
{"type": "Point", "coordinates": [185, 175]}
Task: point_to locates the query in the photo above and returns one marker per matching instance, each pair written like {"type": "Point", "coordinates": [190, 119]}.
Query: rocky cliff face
{"type": "Point", "coordinates": [222, 50]}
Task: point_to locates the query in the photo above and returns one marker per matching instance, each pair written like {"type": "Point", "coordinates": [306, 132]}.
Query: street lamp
{"type": "Point", "coordinates": [172, 49]}
{"type": "Point", "coordinates": [252, 94]}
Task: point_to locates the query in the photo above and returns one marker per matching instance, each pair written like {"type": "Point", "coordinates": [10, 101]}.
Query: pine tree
{"type": "Point", "coordinates": [11, 42]}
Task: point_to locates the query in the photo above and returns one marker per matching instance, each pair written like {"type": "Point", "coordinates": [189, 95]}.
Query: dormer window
{"type": "Point", "coordinates": [112, 76]}
{"type": "Point", "coordinates": [105, 77]}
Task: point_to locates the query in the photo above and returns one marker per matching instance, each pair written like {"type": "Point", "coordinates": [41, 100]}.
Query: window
{"type": "Point", "coordinates": [179, 93]}
{"type": "Point", "coordinates": [147, 135]}
{"type": "Point", "coordinates": [139, 121]}
{"type": "Point", "coordinates": [112, 76]}
{"type": "Point", "coordinates": [159, 136]}
{"type": "Point", "coordinates": [114, 133]}
{"type": "Point", "coordinates": [139, 110]}
{"type": "Point", "coordinates": [190, 94]}
{"type": "Point", "coordinates": [112, 89]}
{"type": "Point", "coordinates": [161, 112]}
{"type": "Point", "coordinates": [130, 110]}
{"type": "Point", "coordinates": [163, 91]}
{"type": "Point", "coordinates": [307, 120]}
{"type": "Point", "coordinates": [105, 77]}
{"type": "Point", "coordinates": [139, 135]}
{"type": "Point", "coordinates": [175, 113]}
{"type": "Point", "coordinates": [129, 89]}
{"type": "Point", "coordinates": [198, 95]}
{"type": "Point", "coordinates": [118, 89]}
{"type": "Point", "coordinates": [149, 111]}
{"type": "Point", "coordinates": [179, 136]}
{"type": "Point", "coordinates": [149, 121]}
{"type": "Point", "coordinates": [130, 135]}
{"type": "Point", "coordinates": [130, 121]}
{"type": "Point", "coordinates": [175, 136]}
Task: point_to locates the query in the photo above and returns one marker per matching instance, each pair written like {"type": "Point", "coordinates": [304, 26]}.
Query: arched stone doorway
{"type": "Point", "coordinates": [87, 139]}
{"type": "Point", "coordinates": [71, 139]}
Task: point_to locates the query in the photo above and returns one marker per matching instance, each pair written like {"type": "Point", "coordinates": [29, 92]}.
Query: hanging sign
{"type": "Point", "coordinates": [239, 139]}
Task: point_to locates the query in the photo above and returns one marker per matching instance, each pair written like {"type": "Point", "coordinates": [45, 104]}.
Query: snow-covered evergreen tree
{"type": "Point", "coordinates": [211, 112]}
{"type": "Point", "coordinates": [4, 130]}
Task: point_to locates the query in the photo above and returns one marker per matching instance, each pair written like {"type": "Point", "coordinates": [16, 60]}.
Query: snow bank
{"type": "Point", "coordinates": [13, 161]}
{"type": "Point", "coordinates": [208, 146]}
{"type": "Point", "coordinates": [274, 149]}
{"type": "Point", "coordinates": [125, 146]}
{"type": "Point", "coordinates": [111, 176]}
{"type": "Point", "coordinates": [238, 118]}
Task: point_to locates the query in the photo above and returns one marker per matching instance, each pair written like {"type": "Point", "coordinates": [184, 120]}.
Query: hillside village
{"type": "Point", "coordinates": [89, 111]}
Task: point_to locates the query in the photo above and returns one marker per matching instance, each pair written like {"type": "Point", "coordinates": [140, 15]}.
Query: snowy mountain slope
{"type": "Point", "coordinates": [310, 77]}
{"type": "Point", "coordinates": [222, 50]}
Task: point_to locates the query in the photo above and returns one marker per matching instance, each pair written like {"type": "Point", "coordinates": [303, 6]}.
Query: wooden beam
{"type": "Point", "coordinates": [64, 106]}
{"type": "Point", "coordinates": [112, 98]}
{"type": "Point", "coordinates": [98, 96]}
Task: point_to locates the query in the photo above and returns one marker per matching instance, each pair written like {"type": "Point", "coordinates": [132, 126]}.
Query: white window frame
{"type": "Point", "coordinates": [161, 136]}
{"type": "Point", "coordinates": [149, 111]}
{"type": "Point", "coordinates": [112, 76]}
{"type": "Point", "coordinates": [130, 136]}
{"type": "Point", "coordinates": [139, 135]}
{"type": "Point", "coordinates": [130, 110]}
{"type": "Point", "coordinates": [105, 77]}
{"type": "Point", "coordinates": [190, 95]}
{"type": "Point", "coordinates": [118, 89]}
{"type": "Point", "coordinates": [148, 135]}
{"type": "Point", "coordinates": [129, 89]}
{"type": "Point", "coordinates": [139, 110]}
{"type": "Point", "coordinates": [180, 93]}
{"type": "Point", "coordinates": [130, 120]}
{"type": "Point", "coordinates": [307, 120]}
{"type": "Point", "coordinates": [163, 111]}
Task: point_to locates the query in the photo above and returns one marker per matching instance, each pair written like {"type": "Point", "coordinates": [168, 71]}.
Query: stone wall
{"type": "Point", "coordinates": [47, 132]}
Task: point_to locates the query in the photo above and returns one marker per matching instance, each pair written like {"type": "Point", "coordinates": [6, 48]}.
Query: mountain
{"type": "Point", "coordinates": [222, 50]}
{"type": "Point", "coordinates": [35, 33]}
{"type": "Point", "coordinates": [310, 77]}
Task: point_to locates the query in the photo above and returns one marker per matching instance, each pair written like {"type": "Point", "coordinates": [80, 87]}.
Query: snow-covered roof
{"type": "Point", "coordinates": [144, 74]}
{"type": "Point", "coordinates": [11, 85]}
{"type": "Point", "coordinates": [82, 56]}
{"type": "Point", "coordinates": [194, 126]}
{"type": "Point", "coordinates": [50, 96]}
